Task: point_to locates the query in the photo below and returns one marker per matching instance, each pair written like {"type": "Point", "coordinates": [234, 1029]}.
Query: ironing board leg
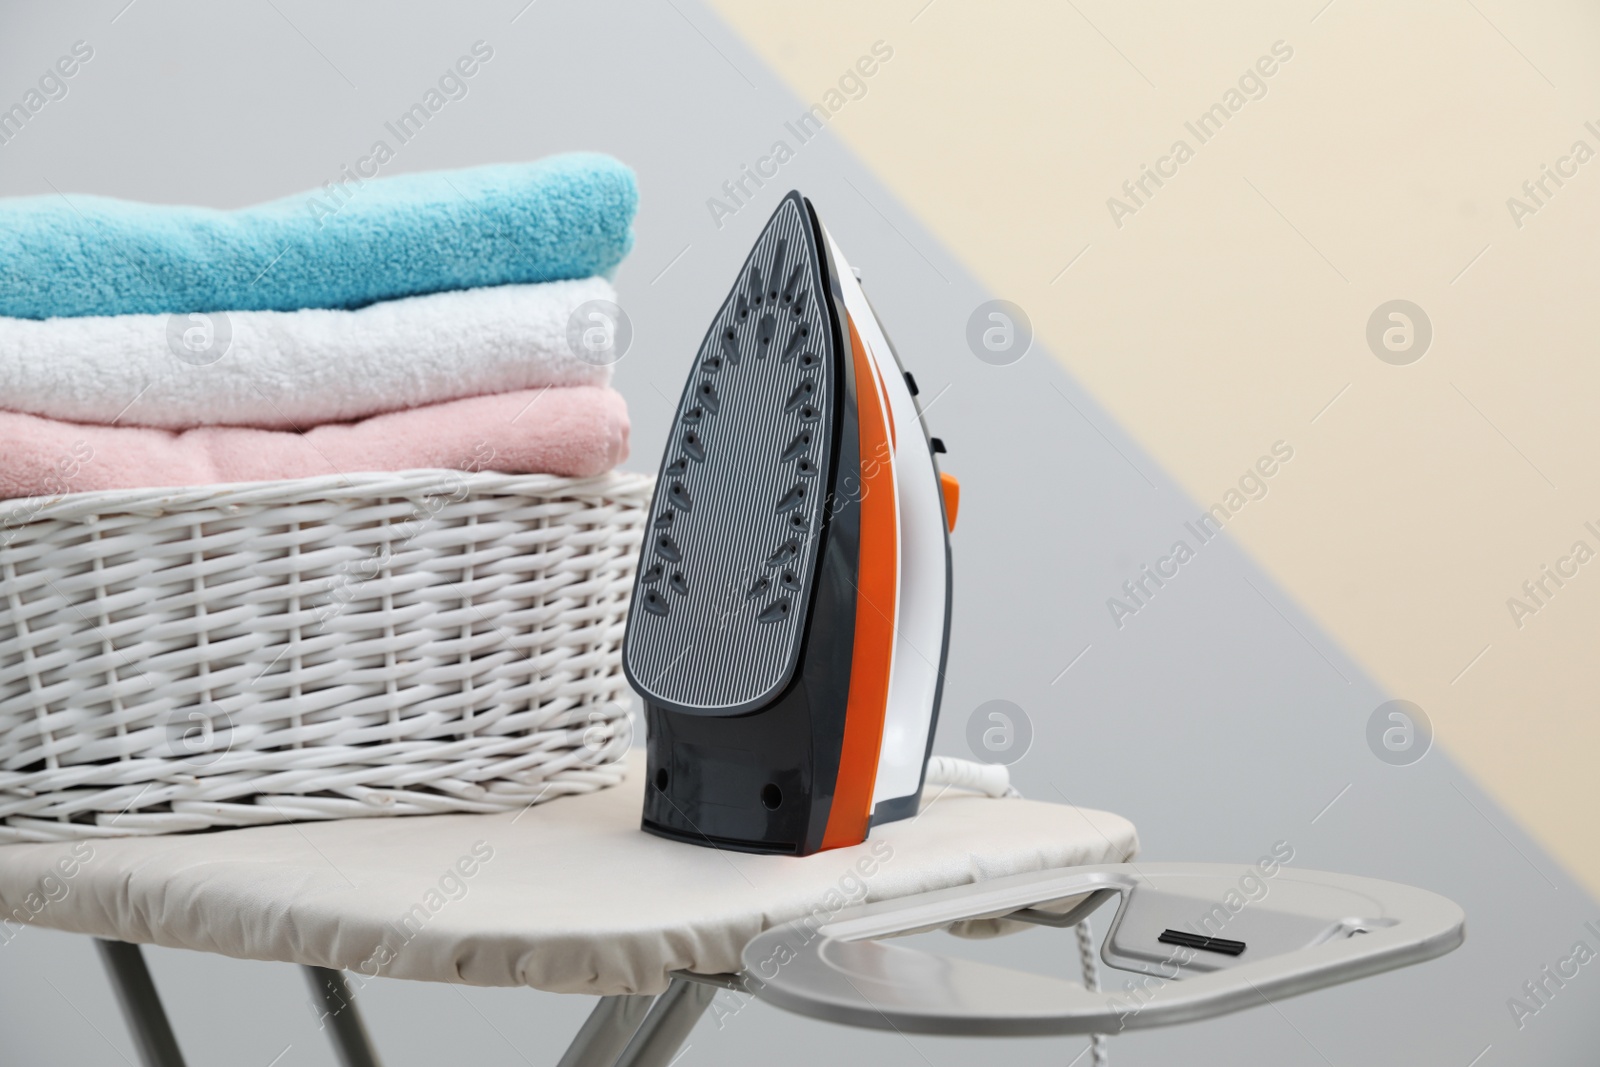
{"type": "Point", "coordinates": [606, 1032]}
{"type": "Point", "coordinates": [141, 1006]}
{"type": "Point", "coordinates": [350, 1041]}
{"type": "Point", "coordinates": [667, 1026]}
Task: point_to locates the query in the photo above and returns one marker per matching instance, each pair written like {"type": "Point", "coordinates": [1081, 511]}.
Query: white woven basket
{"type": "Point", "coordinates": [375, 644]}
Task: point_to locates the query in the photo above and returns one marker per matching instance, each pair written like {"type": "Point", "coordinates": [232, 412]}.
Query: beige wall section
{"type": "Point", "coordinates": [1231, 308]}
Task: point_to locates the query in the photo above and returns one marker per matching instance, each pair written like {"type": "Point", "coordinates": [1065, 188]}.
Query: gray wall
{"type": "Point", "coordinates": [1221, 722]}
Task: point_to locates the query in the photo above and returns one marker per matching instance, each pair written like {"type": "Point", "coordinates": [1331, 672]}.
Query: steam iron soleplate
{"type": "Point", "coordinates": [731, 558]}
{"type": "Point", "coordinates": [791, 610]}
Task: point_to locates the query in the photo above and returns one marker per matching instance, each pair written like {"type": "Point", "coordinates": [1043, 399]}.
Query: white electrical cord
{"type": "Point", "coordinates": [1091, 982]}
{"type": "Point", "coordinates": [990, 779]}
{"type": "Point", "coordinates": [993, 780]}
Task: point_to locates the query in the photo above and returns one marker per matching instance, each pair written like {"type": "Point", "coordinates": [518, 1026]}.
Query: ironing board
{"type": "Point", "coordinates": [567, 896]}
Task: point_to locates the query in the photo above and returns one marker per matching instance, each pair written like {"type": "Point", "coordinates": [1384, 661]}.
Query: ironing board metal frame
{"type": "Point", "coordinates": [349, 1035]}
{"type": "Point", "coordinates": [607, 1031]}
{"type": "Point", "coordinates": [136, 994]}
{"type": "Point", "coordinates": [621, 1031]}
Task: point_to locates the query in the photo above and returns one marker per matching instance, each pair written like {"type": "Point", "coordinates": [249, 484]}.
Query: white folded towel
{"type": "Point", "coordinates": [296, 369]}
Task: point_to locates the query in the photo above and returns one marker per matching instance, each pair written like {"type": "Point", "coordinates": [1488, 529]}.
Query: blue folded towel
{"type": "Point", "coordinates": [342, 246]}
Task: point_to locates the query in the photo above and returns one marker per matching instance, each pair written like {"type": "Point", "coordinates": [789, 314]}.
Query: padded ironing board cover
{"type": "Point", "coordinates": [568, 896]}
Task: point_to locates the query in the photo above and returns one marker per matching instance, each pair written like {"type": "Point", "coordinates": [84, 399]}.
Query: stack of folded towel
{"type": "Point", "coordinates": [422, 322]}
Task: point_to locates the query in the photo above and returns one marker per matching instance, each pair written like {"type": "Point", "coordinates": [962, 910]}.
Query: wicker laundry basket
{"type": "Point", "coordinates": [376, 644]}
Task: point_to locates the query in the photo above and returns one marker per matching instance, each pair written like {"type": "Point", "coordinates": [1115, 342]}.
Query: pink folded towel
{"type": "Point", "coordinates": [575, 431]}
